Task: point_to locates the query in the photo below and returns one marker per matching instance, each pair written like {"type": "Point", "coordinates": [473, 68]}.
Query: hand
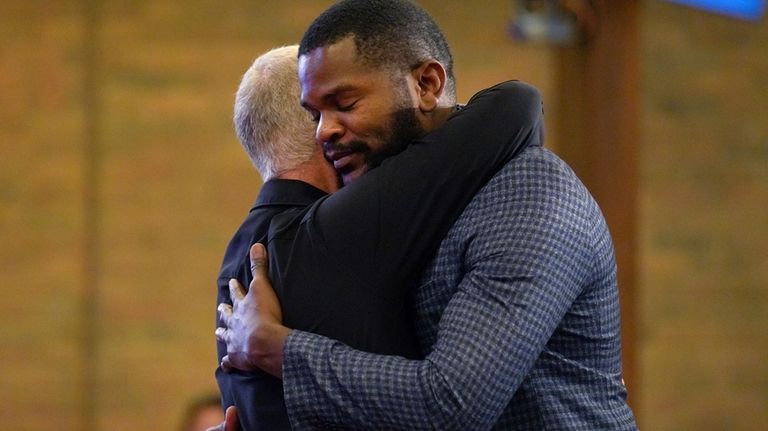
{"type": "Point", "coordinates": [231, 422]}
{"type": "Point", "coordinates": [252, 326]}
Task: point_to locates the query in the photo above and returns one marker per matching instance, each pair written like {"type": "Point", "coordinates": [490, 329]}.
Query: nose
{"type": "Point", "coordinates": [329, 129]}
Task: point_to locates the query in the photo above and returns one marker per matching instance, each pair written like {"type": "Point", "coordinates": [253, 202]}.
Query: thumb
{"type": "Point", "coordinates": [231, 422]}
{"type": "Point", "coordinates": [259, 262]}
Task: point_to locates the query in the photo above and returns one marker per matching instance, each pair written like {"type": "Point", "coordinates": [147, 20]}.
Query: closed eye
{"type": "Point", "coordinates": [346, 108]}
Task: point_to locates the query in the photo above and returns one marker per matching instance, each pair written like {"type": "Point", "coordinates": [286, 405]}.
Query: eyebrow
{"type": "Point", "coordinates": [342, 88]}
{"type": "Point", "coordinates": [332, 94]}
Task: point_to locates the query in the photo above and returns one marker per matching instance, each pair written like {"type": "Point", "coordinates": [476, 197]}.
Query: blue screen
{"type": "Point", "coordinates": [745, 9]}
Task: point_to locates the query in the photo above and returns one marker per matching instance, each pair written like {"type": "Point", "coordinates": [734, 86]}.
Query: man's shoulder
{"type": "Point", "coordinates": [536, 184]}
{"type": "Point", "coordinates": [287, 222]}
{"type": "Point", "coordinates": [517, 90]}
{"type": "Point", "coordinates": [253, 229]}
{"type": "Point", "coordinates": [534, 168]}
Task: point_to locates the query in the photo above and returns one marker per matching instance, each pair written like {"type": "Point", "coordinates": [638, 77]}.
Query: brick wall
{"type": "Point", "coordinates": [704, 225]}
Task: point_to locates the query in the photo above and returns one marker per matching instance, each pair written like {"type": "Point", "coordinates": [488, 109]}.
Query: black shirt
{"type": "Point", "coordinates": [258, 396]}
{"type": "Point", "coordinates": [341, 267]}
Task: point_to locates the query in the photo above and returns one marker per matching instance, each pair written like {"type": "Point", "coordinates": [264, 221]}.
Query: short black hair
{"type": "Point", "coordinates": [388, 33]}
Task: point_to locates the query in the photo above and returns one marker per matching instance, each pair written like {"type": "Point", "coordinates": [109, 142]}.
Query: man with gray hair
{"type": "Point", "coordinates": [278, 135]}
{"type": "Point", "coordinates": [275, 131]}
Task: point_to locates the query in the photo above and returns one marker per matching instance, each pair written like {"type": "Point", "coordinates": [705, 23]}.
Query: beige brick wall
{"type": "Point", "coordinates": [704, 222]}
{"type": "Point", "coordinates": [41, 213]}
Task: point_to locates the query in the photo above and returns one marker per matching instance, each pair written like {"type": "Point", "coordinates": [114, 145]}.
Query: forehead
{"type": "Point", "coordinates": [327, 69]}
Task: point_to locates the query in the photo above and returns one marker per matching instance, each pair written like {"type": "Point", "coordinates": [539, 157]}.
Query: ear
{"type": "Point", "coordinates": [430, 78]}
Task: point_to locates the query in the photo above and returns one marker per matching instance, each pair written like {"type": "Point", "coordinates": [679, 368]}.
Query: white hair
{"type": "Point", "coordinates": [276, 132]}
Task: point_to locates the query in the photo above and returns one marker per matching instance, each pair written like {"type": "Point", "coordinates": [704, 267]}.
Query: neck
{"type": "Point", "coordinates": [318, 173]}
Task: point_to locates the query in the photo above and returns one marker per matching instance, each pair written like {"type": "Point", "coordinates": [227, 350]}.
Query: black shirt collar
{"type": "Point", "coordinates": [287, 192]}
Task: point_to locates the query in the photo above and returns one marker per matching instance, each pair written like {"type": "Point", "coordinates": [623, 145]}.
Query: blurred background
{"type": "Point", "coordinates": [121, 181]}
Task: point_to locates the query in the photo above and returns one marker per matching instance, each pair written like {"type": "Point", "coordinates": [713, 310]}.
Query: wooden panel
{"type": "Point", "coordinates": [599, 116]}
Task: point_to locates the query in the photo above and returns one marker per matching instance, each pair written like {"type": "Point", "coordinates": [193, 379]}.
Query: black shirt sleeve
{"type": "Point", "coordinates": [341, 268]}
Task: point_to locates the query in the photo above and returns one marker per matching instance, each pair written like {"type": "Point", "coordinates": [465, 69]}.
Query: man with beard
{"type": "Point", "coordinates": [517, 313]}
{"type": "Point", "coordinates": [363, 303]}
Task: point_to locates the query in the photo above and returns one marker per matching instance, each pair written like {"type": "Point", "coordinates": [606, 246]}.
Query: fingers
{"type": "Point", "coordinates": [259, 262]}
{"type": "Point", "coordinates": [225, 317]}
{"type": "Point", "coordinates": [236, 291]}
{"type": "Point", "coordinates": [231, 421]}
{"type": "Point", "coordinates": [225, 310]}
{"type": "Point", "coordinates": [222, 335]}
{"type": "Point", "coordinates": [226, 364]}
{"type": "Point", "coordinates": [219, 427]}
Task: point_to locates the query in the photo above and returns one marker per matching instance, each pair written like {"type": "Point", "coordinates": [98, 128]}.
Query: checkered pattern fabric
{"type": "Point", "coordinates": [518, 316]}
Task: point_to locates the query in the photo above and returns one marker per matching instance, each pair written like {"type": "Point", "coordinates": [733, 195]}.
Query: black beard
{"type": "Point", "coordinates": [405, 128]}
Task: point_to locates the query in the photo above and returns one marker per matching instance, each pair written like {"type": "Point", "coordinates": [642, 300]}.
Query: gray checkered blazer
{"type": "Point", "coordinates": [519, 316]}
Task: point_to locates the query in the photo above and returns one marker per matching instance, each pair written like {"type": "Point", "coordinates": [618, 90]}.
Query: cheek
{"type": "Point", "coordinates": [359, 125]}
{"type": "Point", "coordinates": [370, 125]}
